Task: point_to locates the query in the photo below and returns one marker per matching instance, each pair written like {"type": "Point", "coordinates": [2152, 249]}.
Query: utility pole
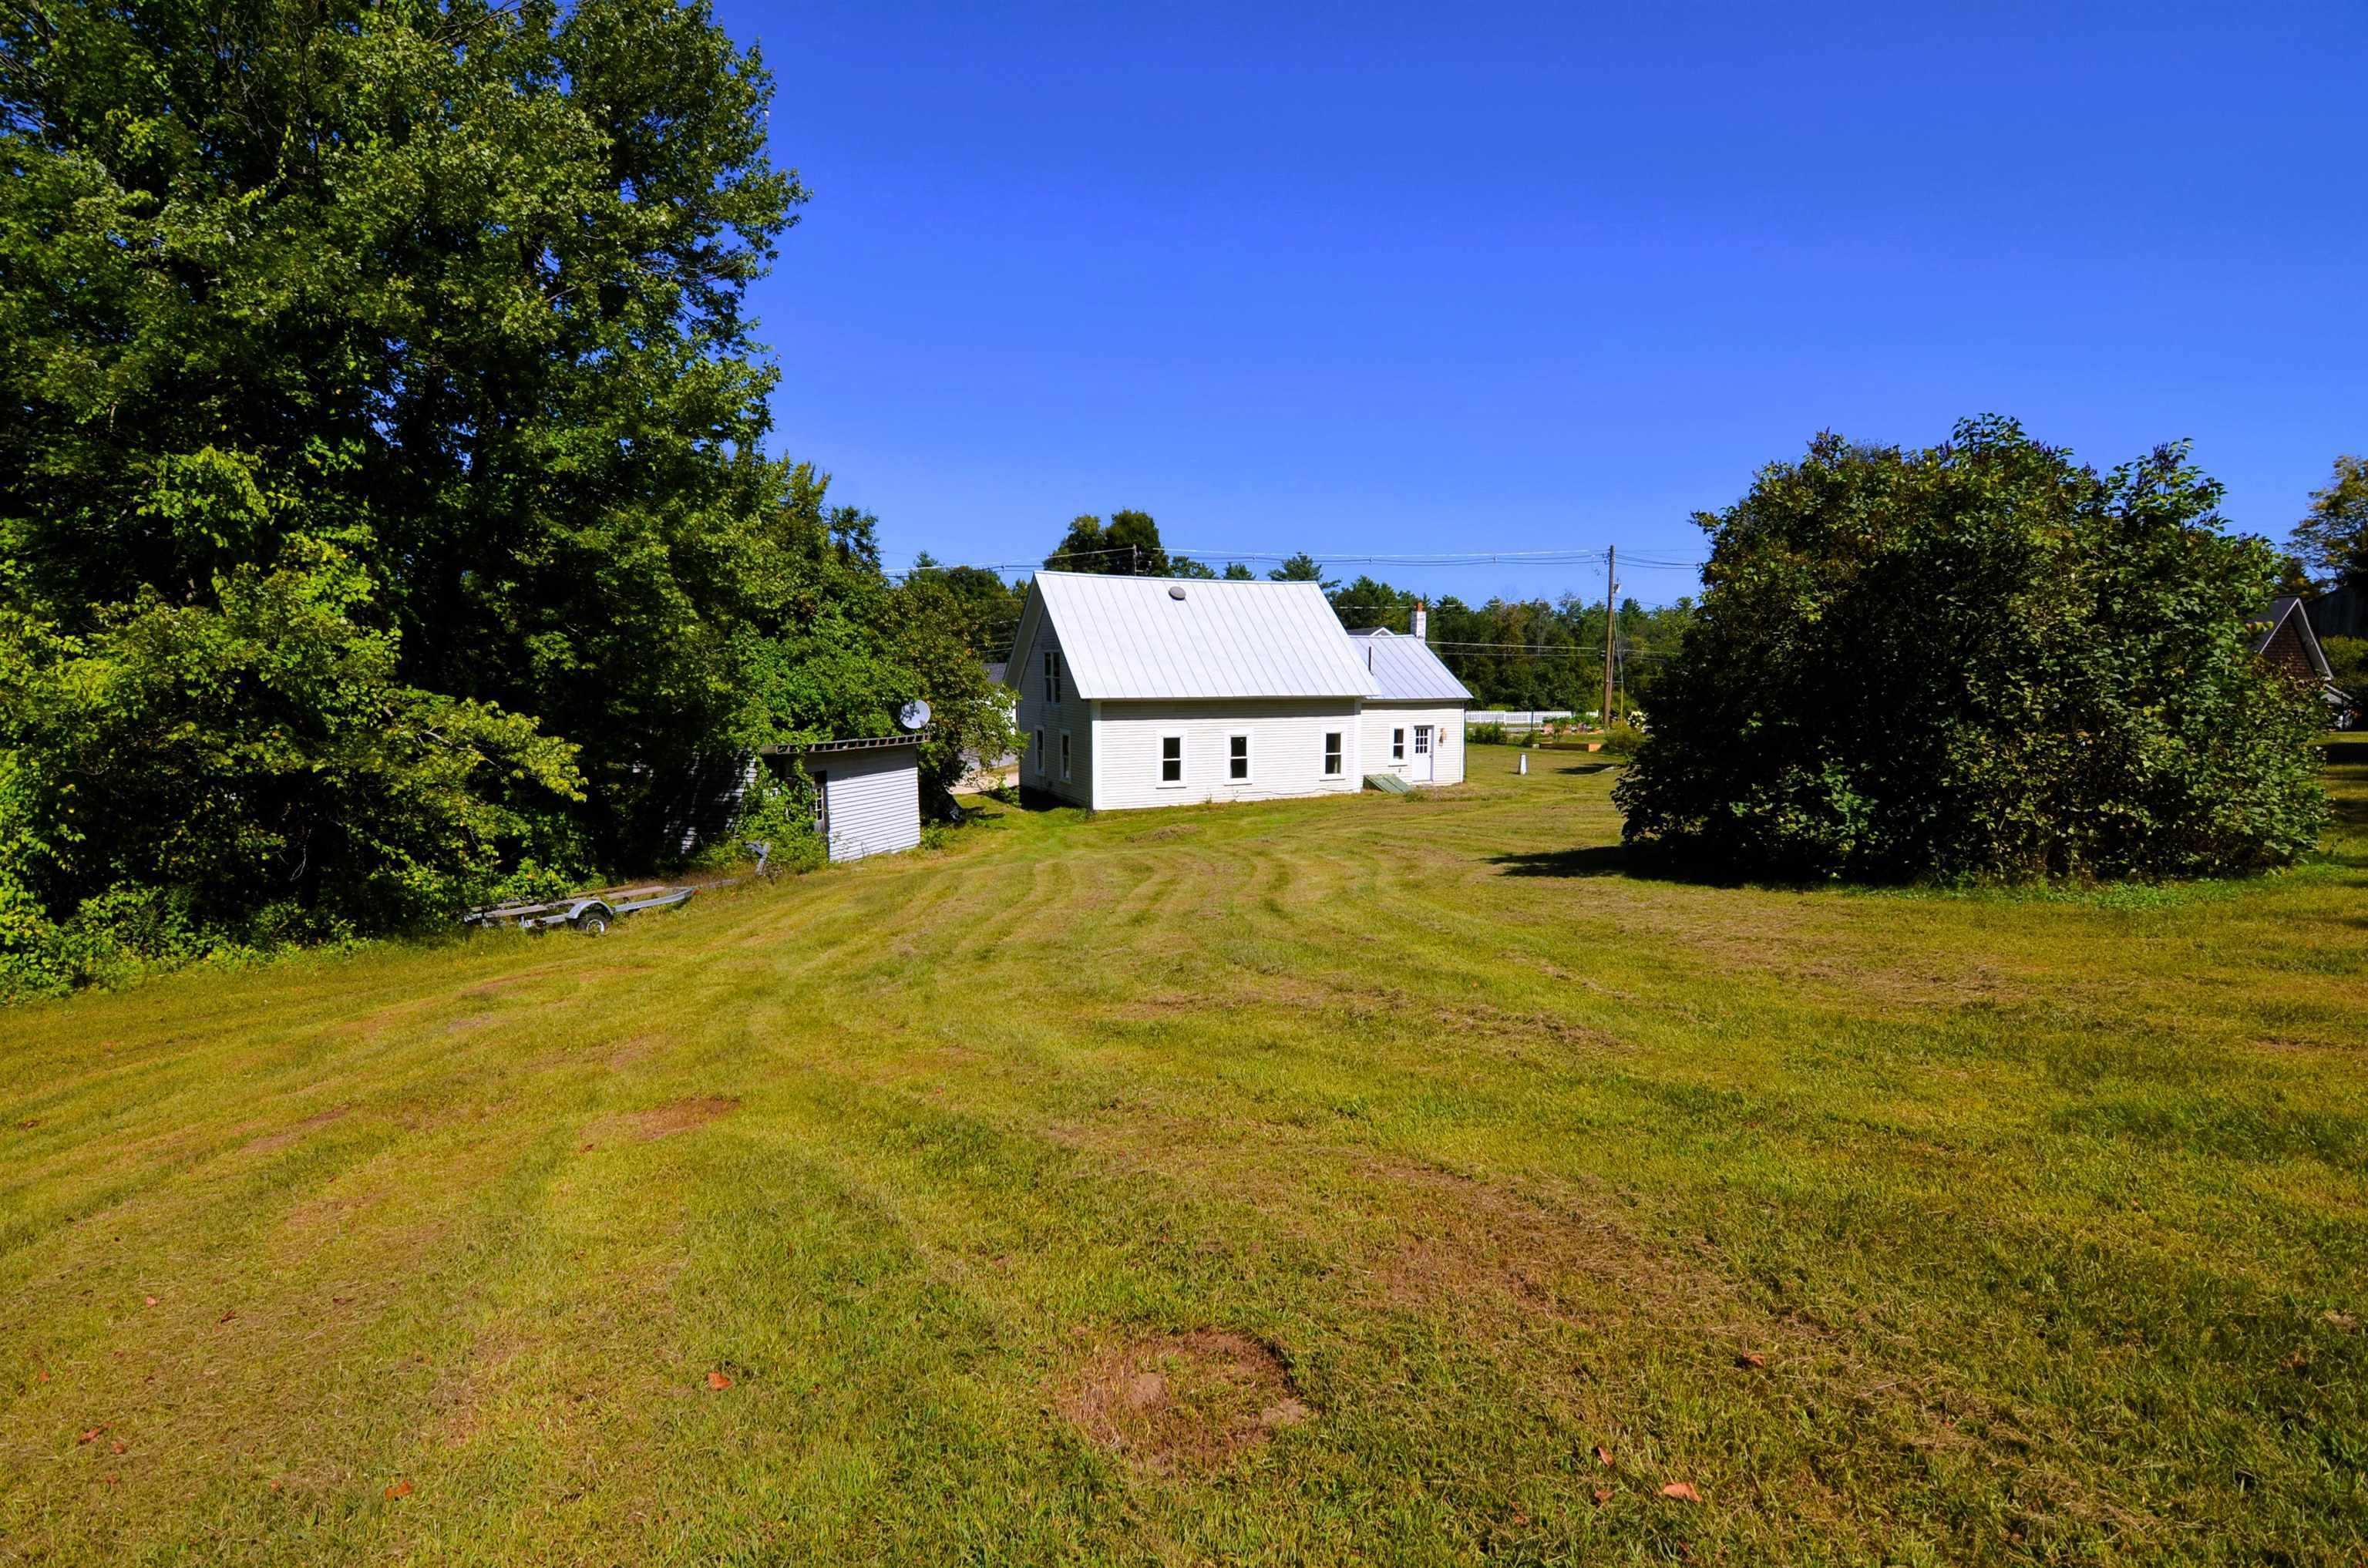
{"type": "Point", "coordinates": [1611, 589]}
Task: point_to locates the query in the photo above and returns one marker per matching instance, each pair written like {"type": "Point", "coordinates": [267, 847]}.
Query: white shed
{"type": "Point", "coordinates": [867, 793]}
{"type": "Point", "coordinates": [1152, 691]}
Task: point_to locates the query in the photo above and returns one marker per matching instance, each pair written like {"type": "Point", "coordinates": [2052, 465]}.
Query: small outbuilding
{"type": "Point", "coordinates": [867, 792]}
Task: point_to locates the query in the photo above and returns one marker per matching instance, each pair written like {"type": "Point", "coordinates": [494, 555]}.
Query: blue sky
{"type": "Point", "coordinates": [1404, 280]}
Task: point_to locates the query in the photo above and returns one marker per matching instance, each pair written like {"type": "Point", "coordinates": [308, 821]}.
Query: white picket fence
{"type": "Point", "coordinates": [1519, 717]}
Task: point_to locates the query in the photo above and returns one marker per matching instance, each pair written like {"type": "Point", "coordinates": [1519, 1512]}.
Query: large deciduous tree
{"type": "Point", "coordinates": [1978, 660]}
{"type": "Point", "coordinates": [2333, 535]}
{"type": "Point", "coordinates": [1127, 546]}
{"type": "Point", "coordinates": [376, 376]}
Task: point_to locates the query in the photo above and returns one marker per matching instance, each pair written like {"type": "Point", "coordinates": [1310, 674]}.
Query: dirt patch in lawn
{"type": "Point", "coordinates": [662, 1122]}
{"type": "Point", "coordinates": [1173, 1403]}
{"type": "Point", "coordinates": [270, 1141]}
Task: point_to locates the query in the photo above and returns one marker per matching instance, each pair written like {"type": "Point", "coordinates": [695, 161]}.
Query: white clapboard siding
{"type": "Point", "coordinates": [1072, 713]}
{"type": "Point", "coordinates": [1286, 750]}
{"type": "Point", "coordinates": [873, 800]}
{"type": "Point", "coordinates": [1380, 719]}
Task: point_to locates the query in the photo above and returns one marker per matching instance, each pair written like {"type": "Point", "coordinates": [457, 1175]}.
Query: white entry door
{"type": "Point", "coordinates": [1422, 764]}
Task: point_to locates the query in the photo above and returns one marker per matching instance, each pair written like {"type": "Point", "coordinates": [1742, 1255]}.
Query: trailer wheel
{"type": "Point", "coordinates": [594, 924]}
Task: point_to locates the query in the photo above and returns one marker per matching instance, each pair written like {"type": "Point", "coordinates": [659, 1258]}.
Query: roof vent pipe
{"type": "Point", "coordinates": [1177, 592]}
{"type": "Point", "coordinates": [1421, 621]}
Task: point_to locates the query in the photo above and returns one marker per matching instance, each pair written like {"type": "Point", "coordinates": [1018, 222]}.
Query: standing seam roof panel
{"type": "Point", "coordinates": [1406, 670]}
{"type": "Point", "coordinates": [1130, 637]}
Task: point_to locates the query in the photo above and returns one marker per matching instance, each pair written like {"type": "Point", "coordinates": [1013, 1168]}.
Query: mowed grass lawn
{"type": "Point", "coordinates": [1371, 1179]}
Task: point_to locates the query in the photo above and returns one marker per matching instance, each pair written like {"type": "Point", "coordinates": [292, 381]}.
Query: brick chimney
{"type": "Point", "coordinates": [1421, 621]}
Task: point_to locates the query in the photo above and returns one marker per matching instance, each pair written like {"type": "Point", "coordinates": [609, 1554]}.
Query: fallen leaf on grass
{"type": "Point", "coordinates": [400, 1489]}
{"type": "Point", "coordinates": [1682, 1491]}
{"type": "Point", "coordinates": [1752, 1360]}
{"type": "Point", "coordinates": [1602, 1454]}
{"type": "Point", "coordinates": [116, 1447]}
{"type": "Point", "coordinates": [92, 1435]}
{"type": "Point", "coordinates": [276, 1485]}
{"type": "Point", "coordinates": [1602, 1495]}
{"type": "Point", "coordinates": [114, 1480]}
{"type": "Point", "coordinates": [151, 1300]}
{"type": "Point", "coordinates": [226, 1317]}
{"type": "Point", "coordinates": [2343, 1320]}
{"type": "Point", "coordinates": [718, 1381]}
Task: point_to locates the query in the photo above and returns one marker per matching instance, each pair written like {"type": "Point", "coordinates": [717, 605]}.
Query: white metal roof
{"type": "Point", "coordinates": [1135, 637]}
{"type": "Point", "coordinates": [1404, 669]}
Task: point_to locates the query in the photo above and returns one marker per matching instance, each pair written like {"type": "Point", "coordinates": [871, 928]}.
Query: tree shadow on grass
{"type": "Point", "coordinates": [1611, 860]}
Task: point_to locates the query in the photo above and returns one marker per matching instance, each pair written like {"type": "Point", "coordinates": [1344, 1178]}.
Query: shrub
{"type": "Point", "coordinates": [1622, 740]}
{"type": "Point", "coordinates": [1979, 661]}
{"type": "Point", "coordinates": [1483, 734]}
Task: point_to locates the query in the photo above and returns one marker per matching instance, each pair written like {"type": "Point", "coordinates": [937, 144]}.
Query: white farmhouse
{"type": "Point", "coordinates": [1151, 691]}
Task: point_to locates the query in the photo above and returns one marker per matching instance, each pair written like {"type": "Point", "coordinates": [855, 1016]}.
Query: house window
{"type": "Point", "coordinates": [1239, 766]}
{"type": "Point", "coordinates": [1036, 753]}
{"type": "Point", "coordinates": [822, 805]}
{"type": "Point", "coordinates": [1051, 675]}
{"type": "Point", "coordinates": [1331, 754]}
{"type": "Point", "coordinates": [1397, 746]}
{"type": "Point", "coordinates": [1171, 759]}
{"type": "Point", "coordinates": [1064, 756]}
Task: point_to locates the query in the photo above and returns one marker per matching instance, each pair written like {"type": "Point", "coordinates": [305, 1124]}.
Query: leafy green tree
{"type": "Point", "coordinates": [984, 606]}
{"type": "Point", "coordinates": [377, 380]}
{"type": "Point", "coordinates": [1366, 602]}
{"type": "Point", "coordinates": [2347, 663]}
{"type": "Point", "coordinates": [2333, 536]}
{"type": "Point", "coordinates": [1302, 568]}
{"type": "Point", "coordinates": [1236, 572]}
{"type": "Point", "coordinates": [1976, 661]}
{"type": "Point", "coordinates": [1185, 566]}
{"type": "Point", "coordinates": [1128, 546]}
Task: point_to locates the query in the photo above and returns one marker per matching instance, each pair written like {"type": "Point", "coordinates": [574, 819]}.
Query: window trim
{"type": "Point", "coordinates": [1336, 753]}
{"type": "Point", "coordinates": [1398, 745]}
{"type": "Point", "coordinates": [1160, 780]}
{"type": "Point", "coordinates": [1052, 675]}
{"type": "Point", "coordinates": [1248, 774]}
{"type": "Point", "coordinates": [1064, 756]}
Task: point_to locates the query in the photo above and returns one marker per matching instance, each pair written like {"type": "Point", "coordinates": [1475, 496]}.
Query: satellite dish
{"type": "Point", "coordinates": [914, 714]}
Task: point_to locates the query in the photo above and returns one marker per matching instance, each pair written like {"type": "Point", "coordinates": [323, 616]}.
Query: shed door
{"type": "Point", "coordinates": [1422, 763]}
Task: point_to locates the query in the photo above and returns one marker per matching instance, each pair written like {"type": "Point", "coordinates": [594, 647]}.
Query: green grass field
{"type": "Point", "coordinates": [1371, 1179]}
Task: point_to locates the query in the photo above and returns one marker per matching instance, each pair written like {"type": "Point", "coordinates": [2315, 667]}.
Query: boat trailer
{"type": "Point", "coordinates": [593, 913]}
{"type": "Point", "coordinates": [590, 913]}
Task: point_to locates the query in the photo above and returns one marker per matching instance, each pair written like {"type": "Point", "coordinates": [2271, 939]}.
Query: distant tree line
{"type": "Point", "coordinates": [1513, 653]}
